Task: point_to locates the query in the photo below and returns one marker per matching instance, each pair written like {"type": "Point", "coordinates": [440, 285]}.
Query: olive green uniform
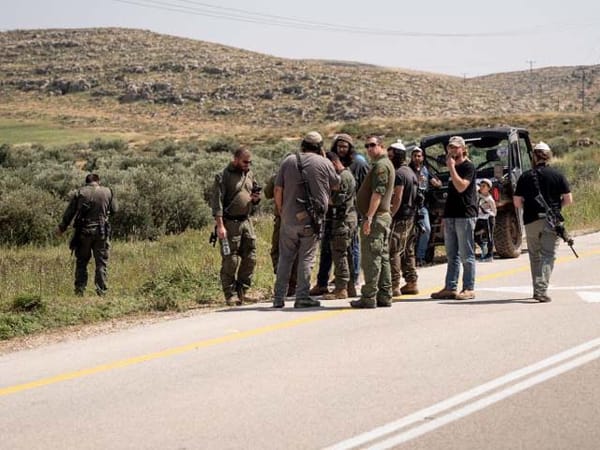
{"type": "Point", "coordinates": [343, 228]}
{"type": "Point", "coordinates": [90, 206]}
{"type": "Point", "coordinates": [375, 257]}
{"type": "Point", "coordinates": [231, 201]}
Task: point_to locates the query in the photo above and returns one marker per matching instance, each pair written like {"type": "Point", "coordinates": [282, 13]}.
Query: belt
{"type": "Point", "coordinates": [236, 218]}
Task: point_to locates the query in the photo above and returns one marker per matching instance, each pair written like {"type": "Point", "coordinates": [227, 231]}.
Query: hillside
{"type": "Point", "coordinates": [137, 80]}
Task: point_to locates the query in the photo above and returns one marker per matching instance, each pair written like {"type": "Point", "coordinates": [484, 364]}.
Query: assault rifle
{"type": "Point", "coordinates": [315, 213]}
{"type": "Point", "coordinates": [556, 222]}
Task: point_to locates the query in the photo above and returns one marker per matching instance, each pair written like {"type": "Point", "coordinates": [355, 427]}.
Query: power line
{"type": "Point", "coordinates": [241, 15]}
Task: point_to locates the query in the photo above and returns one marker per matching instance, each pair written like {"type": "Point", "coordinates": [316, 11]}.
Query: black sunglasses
{"type": "Point", "coordinates": [371, 144]}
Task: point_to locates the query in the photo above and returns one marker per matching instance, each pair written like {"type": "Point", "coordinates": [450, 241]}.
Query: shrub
{"type": "Point", "coordinates": [221, 144]}
{"type": "Point", "coordinates": [109, 144]}
{"type": "Point", "coordinates": [28, 215]}
{"type": "Point", "coordinates": [28, 303]}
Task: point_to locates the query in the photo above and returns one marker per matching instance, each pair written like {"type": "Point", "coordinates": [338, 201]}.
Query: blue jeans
{"type": "Point", "coordinates": [424, 236]}
{"type": "Point", "coordinates": [459, 240]}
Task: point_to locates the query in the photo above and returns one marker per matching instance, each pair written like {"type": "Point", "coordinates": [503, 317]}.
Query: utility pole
{"type": "Point", "coordinates": [530, 62]}
{"type": "Point", "coordinates": [464, 77]}
{"type": "Point", "coordinates": [582, 88]}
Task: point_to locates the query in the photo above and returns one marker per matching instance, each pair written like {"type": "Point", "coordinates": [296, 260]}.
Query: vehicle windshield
{"type": "Point", "coordinates": [490, 157]}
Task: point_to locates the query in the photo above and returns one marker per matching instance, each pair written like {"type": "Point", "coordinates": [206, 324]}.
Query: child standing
{"type": "Point", "coordinates": [486, 219]}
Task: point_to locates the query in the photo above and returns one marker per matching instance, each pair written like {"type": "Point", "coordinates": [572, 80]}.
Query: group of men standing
{"type": "Point", "coordinates": [360, 213]}
{"type": "Point", "coordinates": [340, 189]}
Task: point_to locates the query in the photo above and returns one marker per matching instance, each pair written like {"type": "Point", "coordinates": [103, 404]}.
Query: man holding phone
{"type": "Point", "coordinates": [460, 216]}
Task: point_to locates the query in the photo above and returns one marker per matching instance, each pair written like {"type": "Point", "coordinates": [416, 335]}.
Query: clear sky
{"type": "Point", "coordinates": [460, 37]}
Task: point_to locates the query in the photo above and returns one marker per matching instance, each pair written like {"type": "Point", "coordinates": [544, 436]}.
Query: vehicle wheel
{"type": "Point", "coordinates": [507, 238]}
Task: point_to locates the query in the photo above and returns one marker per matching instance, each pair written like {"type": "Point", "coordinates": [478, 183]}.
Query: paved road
{"type": "Point", "coordinates": [501, 371]}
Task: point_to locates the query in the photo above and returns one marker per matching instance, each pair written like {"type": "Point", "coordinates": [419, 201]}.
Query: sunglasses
{"type": "Point", "coordinates": [371, 144]}
{"type": "Point", "coordinates": [247, 161]}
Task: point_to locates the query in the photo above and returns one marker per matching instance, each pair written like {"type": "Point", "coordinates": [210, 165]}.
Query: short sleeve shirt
{"type": "Point", "coordinates": [553, 185]}
{"type": "Point", "coordinates": [321, 176]}
{"type": "Point", "coordinates": [462, 204]}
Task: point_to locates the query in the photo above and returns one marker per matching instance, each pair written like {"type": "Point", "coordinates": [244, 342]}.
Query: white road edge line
{"type": "Point", "coordinates": [485, 402]}
{"type": "Point", "coordinates": [456, 400]}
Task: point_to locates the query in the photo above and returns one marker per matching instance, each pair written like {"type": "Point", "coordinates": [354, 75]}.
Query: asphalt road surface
{"type": "Point", "coordinates": [501, 371]}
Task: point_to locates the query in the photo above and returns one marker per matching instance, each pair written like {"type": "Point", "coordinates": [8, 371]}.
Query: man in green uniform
{"type": "Point", "coordinates": [90, 207]}
{"type": "Point", "coordinates": [235, 196]}
{"type": "Point", "coordinates": [404, 211]}
{"type": "Point", "coordinates": [344, 220]}
{"type": "Point", "coordinates": [373, 202]}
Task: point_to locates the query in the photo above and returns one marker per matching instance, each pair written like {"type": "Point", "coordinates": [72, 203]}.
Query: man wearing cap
{"type": "Point", "coordinates": [297, 233]}
{"type": "Point", "coordinates": [460, 216]}
{"type": "Point", "coordinates": [542, 240]}
{"type": "Point", "coordinates": [343, 146]}
{"type": "Point", "coordinates": [404, 211]}
{"type": "Point", "coordinates": [373, 201]}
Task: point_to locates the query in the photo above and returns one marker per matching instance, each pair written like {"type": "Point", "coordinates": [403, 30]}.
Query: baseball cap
{"type": "Point", "coordinates": [486, 181]}
{"type": "Point", "coordinates": [313, 138]}
{"type": "Point", "coordinates": [457, 141]}
{"type": "Point", "coordinates": [542, 150]}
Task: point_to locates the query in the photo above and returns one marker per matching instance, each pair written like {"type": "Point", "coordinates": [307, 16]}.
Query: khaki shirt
{"type": "Point", "coordinates": [380, 180]}
{"type": "Point", "coordinates": [93, 202]}
{"type": "Point", "coordinates": [231, 193]}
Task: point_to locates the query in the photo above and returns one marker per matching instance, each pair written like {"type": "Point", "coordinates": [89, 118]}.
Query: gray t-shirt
{"type": "Point", "coordinates": [321, 178]}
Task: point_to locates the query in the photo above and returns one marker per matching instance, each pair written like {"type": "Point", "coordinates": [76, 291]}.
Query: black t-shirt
{"type": "Point", "coordinates": [407, 178]}
{"type": "Point", "coordinates": [553, 185]}
{"type": "Point", "coordinates": [462, 204]}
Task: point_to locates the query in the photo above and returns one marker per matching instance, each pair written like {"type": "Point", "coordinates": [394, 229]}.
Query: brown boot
{"type": "Point", "coordinates": [352, 290]}
{"type": "Point", "coordinates": [396, 292]}
{"type": "Point", "coordinates": [336, 294]}
{"type": "Point", "coordinates": [410, 288]}
{"type": "Point", "coordinates": [318, 290]}
{"type": "Point", "coordinates": [444, 294]}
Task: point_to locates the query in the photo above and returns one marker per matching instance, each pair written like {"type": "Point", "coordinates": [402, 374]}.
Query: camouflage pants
{"type": "Point", "coordinates": [341, 253]}
{"type": "Point", "coordinates": [237, 268]}
{"type": "Point", "coordinates": [402, 251]}
{"type": "Point", "coordinates": [91, 244]}
{"type": "Point", "coordinates": [375, 260]}
{"type": "Point", "coordinates": [542, 243]}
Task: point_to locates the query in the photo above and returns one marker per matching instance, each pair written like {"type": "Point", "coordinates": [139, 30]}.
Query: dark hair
{"type": "Point", "coordinates": [92, 178]}
{"type": "Point", "coordinates": [308, 147]}
{"type": "Point", "coordinates": [399, 156]}
{"type": "Point", "coordinates": [332, 156]}
{"type": "Point", "coordinates": [240, 151]}
{"type": "Point", "coordinates": [377, 137]}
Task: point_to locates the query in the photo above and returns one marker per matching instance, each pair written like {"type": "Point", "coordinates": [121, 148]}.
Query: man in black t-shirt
{"type": "Point", "coordinates": [404, 210]}
{"type": "Point", "coordinates": [542, 240]}
{"type": "Point", "coordinates": [460, 216]}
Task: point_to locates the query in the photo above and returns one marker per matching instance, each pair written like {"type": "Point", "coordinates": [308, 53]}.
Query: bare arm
{"type": "Point", "coordinates": [518, 201]}
{"type": "Point", "coordinates": [373, 206]}
{"type": "Point", "coordinates": [278, 196]}
{"type": "Point", "coordinates": [566, 199]}
{"type": "Point", "coordinates": [459, 183]}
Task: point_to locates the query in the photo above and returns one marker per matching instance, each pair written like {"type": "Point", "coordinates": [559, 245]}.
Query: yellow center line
{"type": "Point", "coordinates": [170, 352]}
{"type": "Point", "coordinates": [230, 338]}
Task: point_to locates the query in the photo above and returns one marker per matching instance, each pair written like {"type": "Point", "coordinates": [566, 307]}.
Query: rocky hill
{"type": "Point", "coordinates": [109, 76]}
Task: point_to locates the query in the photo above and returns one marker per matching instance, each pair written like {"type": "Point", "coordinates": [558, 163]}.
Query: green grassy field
{"type": "Point", "coordinates": [175, 273]}
{"type": "Point", "coordinates": [181, 272]}
{"type": "Point", "coordinates": [49, 134]}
